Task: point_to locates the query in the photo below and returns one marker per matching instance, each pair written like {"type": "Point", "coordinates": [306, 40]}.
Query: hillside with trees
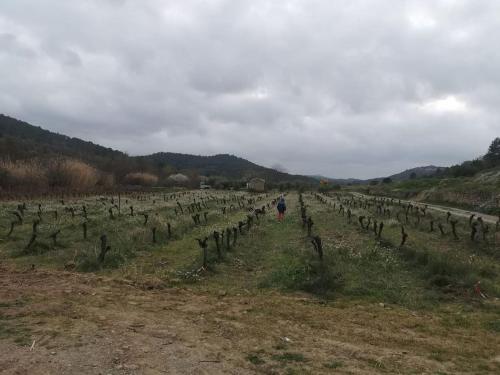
{"type": "Point", "coordinates": [469, 168]}
{"type": "Point", "coordinates": [228, 167]}
{"type": "Point", "coordinates": [25, 148]}
{"type": "Point", "coordinates": [471, 185]}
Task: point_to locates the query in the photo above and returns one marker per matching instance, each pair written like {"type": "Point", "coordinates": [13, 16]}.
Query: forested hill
{"type": "Point", "coordinates": [225, 165]}
{"type": "Point", "coordinates": [20, 141]}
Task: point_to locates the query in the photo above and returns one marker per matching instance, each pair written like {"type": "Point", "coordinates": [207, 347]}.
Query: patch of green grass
{"type": "Point", "coordinates": [484, 367]}
{"type": "Point", "coordinates": [14, 331]}
{"type": "Point", "coordinates": [431, 267]}
{"type": "Point", "coordinates": [15, 303]}
{"type": "Point", "coordinates": [255, 359]}
{"type": "Point", "coordinates": [303, 272]}
{"type": "Point", "coordinates": [129, 236]}
{"type": "Point", "coordinates": [290, 357]}
{"type": "Point", "coordinates": [357, 267]}
{"type": "Point", "coordinates": [437, 356]}
{"type": "Point", "coordinates": [333, 364]}
{"type": "Point", "coordinates": [87, 262]}
{"type": "Point", "coordinates": [457, 321]}
{"type": "Point", "coordinates": [295, 266]}
{"type": "Point", "coordinates": [493, 325]}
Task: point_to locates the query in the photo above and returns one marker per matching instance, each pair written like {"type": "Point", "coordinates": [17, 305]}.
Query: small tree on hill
{"type": "Point", "coordinates": [492, 157]}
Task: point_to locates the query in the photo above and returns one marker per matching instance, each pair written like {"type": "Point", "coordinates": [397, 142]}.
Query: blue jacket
{"type": "Point", "coordinates": [281, 206]}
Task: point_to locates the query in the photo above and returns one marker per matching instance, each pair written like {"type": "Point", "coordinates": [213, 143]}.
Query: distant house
{"type": "Point", "coordinates": [256, 184]}
{"type": "Point", "coordinates": [204, 186]}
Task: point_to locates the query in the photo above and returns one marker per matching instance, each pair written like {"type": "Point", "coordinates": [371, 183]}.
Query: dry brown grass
{"type": "Point", "coordinates": [264, 333]}
{"type": "Point", "coordinates": [141, 178]}
{"type": "Point", "coordinates": [72, 174]}
{"type": "Point", "coordinates": [22, 174]}
{"type": "Point", "coordinates": [36, 175]}
{"type": "Point", "coordinates": [106, 180]}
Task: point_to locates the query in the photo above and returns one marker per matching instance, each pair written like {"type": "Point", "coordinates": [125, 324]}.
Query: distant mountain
{"type": "Point", "coordinates": [339, 181]}
{"type": "Point", "coordinates": [418, 172]}
{"type": "Point", "coordinates": [408, 174]}
{"type": "Point", "coordinates": [20, 140]}
{"type": "Point", "coordinates": [223, 165]}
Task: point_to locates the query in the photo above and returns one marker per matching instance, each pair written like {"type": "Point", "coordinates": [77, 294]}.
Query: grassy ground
{"type": "Point", "coordinates": [128, 236]}
{"type": "Point", "coordinates": [269, 306]}
{"type": "Point", "coordinates": [478, 193]}
{"type": "Point", "coordinates": [442, 260]}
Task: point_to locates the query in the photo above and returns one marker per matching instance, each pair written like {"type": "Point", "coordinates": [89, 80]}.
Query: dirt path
{"type": "Point", "coordinates": [443, 209]}
{"type": "Point", "coordinates": [84, 324]}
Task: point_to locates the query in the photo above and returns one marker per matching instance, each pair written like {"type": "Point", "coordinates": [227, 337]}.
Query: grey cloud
{"type": "Point", "coordinates": [341, 88]}
{"type": "Point", "coordinates": [11, 46]}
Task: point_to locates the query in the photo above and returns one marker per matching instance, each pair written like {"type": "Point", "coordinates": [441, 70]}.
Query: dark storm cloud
{"type": "Point", "coordinates": [342, 88]}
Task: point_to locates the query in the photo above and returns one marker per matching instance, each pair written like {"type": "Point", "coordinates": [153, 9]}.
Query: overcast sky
{"type": "Point", "coordinates": [346, 88]}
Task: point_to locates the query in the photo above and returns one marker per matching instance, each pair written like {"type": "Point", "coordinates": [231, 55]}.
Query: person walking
{"type": "Point", "coordinates": [281, 208]}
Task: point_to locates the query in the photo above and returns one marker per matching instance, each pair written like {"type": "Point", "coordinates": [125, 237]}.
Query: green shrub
{"type": "Point", "coordinates": [493, 325]}
{"type": "Point", "coordinates": [321, 278]}
{"type": "Point", "coordinates": [87, 262]}
{"type": "Point", "coordinates": [308, 274]}
{"type": "Point", "coordinates": [255, 359]}
{"type": "Point", "coordinates": [290, 357]}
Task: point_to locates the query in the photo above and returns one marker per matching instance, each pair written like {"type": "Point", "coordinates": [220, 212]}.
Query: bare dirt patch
{"type": "Point", "coordinates": [88, 324]}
